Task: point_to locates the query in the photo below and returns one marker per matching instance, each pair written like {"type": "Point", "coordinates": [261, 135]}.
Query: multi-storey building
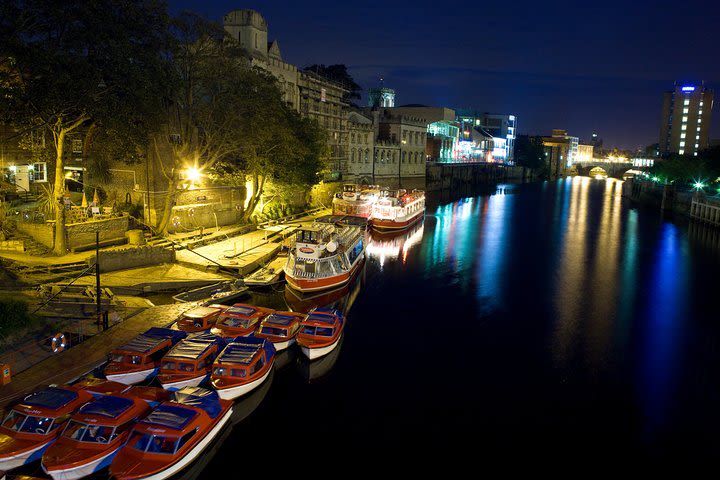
{"type": "Point", "coordinates": [361, 147]}
{"type": "Point", "coordinates": [442, 130]}
{"type": "Point", "coordinates": [685, 123]}
{"type": "Point", "coordinates": [501, 127]}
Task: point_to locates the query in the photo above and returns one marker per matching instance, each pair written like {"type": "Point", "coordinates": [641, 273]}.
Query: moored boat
{"type": "Point", "coordinates": [242, 366]}
{"type": "Point", "coordinates": [267, 274]}
{"type": "Point", "coordinates": [280, 328]}
{"type": "Point", "coordinates": [355, 200]}
{"type": "Point", "coordinates": [397, 210]}
{"type": "Point", "coordinates": [35, 422]}
{"type": "Point", "coordinates": [172, 436]}
{"type": "Point", "coordinates": [93, 436]}
{"type": "Point", "coordinates": [139, 359]}
{"type": "Point", "coordinates": [189, 362]}
{"type": "Point", "coordinates": [324, 256]}
{"type": "Point", "coordinates": [239, 320]}
{"type": "Point", "coordinates": [320, 332]}
{"type": "Point", "coordinates": [198, 319]}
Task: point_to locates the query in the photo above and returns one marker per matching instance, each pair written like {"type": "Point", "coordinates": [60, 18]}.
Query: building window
{"type": "Point", "coordinates": [681, 152]}
{"type": "Point", "coordinates": [686, 110]}
{"type": "Point", "coordinates": [683, 127]}
{"type": "Point", "coordinates": [682, 144]}
{"type": "Point", "coordinates": [684, 119]}
{"type": "Point", "coordinates": [682, 135]}
{"type": "Point", "coordinates": [40, 172]}
{"type": "Point", "coordinates": [77, 146]}
{"type": "Point", "coordinates": [687, 102]}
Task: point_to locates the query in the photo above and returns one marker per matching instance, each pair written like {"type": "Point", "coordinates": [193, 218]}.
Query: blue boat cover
{"type": "Point", "coordinates": [170, 416]}
{"type": "Point", "coordinates": [51, 397]}
{"type": "Point", "coordinates": [149, 340]}
{"type": "Point", "coordinates": [193, 346]}
{"type": "Point", "coordinates": [279, 319]}
{"type": "Point", "coordinates": [240, 352]}
{"type": "Point", "coordinates": [241, 310]}
{"type": "Point", "coordinates": [107, 406]}
{"type": "Point", "coordinates": [327, 316]}
{"type": "Point", "coordinates": [208, 400]}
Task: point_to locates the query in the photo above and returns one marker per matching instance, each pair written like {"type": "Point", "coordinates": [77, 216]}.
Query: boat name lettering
{"type": "Point", "coordinates": [307, 250]}
{"type": "Point", "coordinates": [34, 412]}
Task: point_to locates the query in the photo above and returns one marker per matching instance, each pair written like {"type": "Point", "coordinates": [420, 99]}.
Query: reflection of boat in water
{"type": "Point", "coordinates": [340, 298]}
{"type": "Point", "coordinates": [393, 245]}
{"type": "Point", "coordinates": [313, 370]}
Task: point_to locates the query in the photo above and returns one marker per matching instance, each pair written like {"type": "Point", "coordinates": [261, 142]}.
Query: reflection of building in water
{"type": "Point", "coordinates": [394, 245]}
{"type": "Point", "coordinates": [704, 236]}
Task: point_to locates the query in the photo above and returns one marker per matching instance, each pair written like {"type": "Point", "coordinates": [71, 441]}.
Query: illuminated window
{"type": "Point", "coordinates": [700, 112]}
{"type": "Point", "coordinates": [695, 154]}
{"type": "Point", "coordinates": [701, 104]}
{"type": "Point", "coordinates": [684, 119]}
{"type": "Point", "coordinates": [683, 127]}
{"type": "Point", "coordinates": [686, 110]}
{"type": "Point", "coordinates": [697, 145]}
{"type": "Point", "coordinates": [682, 144]}
{"type": "Point", "coordinates": [681, 152]}
{"type": "Point", "coordinates": [682, 135]}
{"type": "Point", "coordinates": [697, 137]}
{"type": "Point", "coordinates": [686, 102]}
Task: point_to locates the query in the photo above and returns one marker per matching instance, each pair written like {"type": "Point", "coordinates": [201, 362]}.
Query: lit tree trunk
{"type": "Point", "coordinates": [167, 208]}
{"type": "Point", "coordinates": [60, 247]}
{"type": "Point", "coordinates": [258, 186]}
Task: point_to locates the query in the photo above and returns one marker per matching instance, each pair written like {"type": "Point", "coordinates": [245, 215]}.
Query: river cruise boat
{"type": "Point", "coordinates": [199, 319]}
{"type": "Point", "coordinates": [355, 200]}
{"type": "Point", "coordinates": [172, 436]}
{"type": "Point", "coordinates": [240, 320]}
{"type": "Point", "coordinates": [320, 332]}
{"type": "Point", "coordinates": [139, 359]}
{"type": "Point", "coordinates": [397, 210]}
{"type": "Point", "coordinates": [35, 422]}
{"type": "Point", "coordinates": [242, 366]}
{"type": "Point", "coordinates": [188, 363]}
{"type": "Point", "coordinates": [325, 256]}
{"type": "Point", "coordinates": [93, 436]}
{"type": "Point", "coordinates": [280, 328]}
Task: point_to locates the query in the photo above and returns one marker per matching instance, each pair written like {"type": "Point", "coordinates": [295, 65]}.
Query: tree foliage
{"type": "Point", "coordinates": [530, 152]}
{"type": "Point", "coordinates": [688, 169]}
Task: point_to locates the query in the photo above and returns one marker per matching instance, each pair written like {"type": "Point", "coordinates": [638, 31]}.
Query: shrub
{"type": "Point", "coordinates": [16, 319]}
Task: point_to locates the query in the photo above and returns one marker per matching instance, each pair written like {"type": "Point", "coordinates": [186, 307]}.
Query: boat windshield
{"type": "Point", "coordinates": [120, 358]}
{"type": "Point", "coordinates": [278, 332]}
{"type": "Point", "coordinates": [232, 372]}
{"type": "Point", "coordinates": [318, 331]}
{"type": "Point", "coordinates": [83, 432]}
{"type": "Point", "coordinates": [146, 442]}
{"type": "Point", "coordinates": [235, 322]}
{"type": "Point", "coordinates": [19, 422]}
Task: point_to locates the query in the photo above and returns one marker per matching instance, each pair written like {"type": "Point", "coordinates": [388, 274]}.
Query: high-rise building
{"type": "Point", "coordinates": [685, 123]}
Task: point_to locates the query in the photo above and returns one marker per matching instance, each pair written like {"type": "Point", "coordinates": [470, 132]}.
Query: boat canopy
{"type": "Point", "coordinates": [208, 400]}
{"type": "Point", "coordinates": [107, 406]}
{"type": "Point", "coordinates": [170, 416]}
{"type": "Point", "coordinates": [279, 319]}
{"type": "Point", "coordinates": [200, 312]}
{"type": "Point", "coordinates": [149, 340]}
{"type": "Point", "coordinates": [51, 398]}
{"type": "Point", "coordinates": [322, 316]}
{"type": "Point", "coordinates": [241, 310]}
{"type": "Point", "coordinates": [194, 346]}
{"type": "Point", "coordinates": [241, 352]}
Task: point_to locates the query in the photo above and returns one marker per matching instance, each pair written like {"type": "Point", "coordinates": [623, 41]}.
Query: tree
{"type": "Point", "coordinates": [80, 66]}
{"type": "Point", "coordinates": [530, 152]}
{"type": "Point", "coordinates": [338, 73]}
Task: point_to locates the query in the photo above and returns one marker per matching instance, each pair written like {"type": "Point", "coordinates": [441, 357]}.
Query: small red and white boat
{"type": "Point", "coordinates": [355, 200]}
{"type": "Point", "coordinates": [325, 255]}
{"type": "Point", "coordinates": [242, 366]}
{"type": "Point", "coordinates": [320, 332]}
{"type": "Point", "coordinates": [189, 362]}
{"type": "Point", "coordinates": [280, 328]}
{"type": "Point", "coordinates": [139, 359]}
{"type": "Point", "coordinates": [397, 210]}
{"type": "Point", "coordinates": [35, 422]}
{"type": "Point", "coordinates": [240, 320]}
{"type": "Point", "coordinates": [172, 436]}
{"type": "Point", "coordinates": [93, 436]}
{"type": "Point", "coordinates": [199, 319]}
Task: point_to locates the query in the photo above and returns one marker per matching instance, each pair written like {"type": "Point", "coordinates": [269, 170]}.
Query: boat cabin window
{"type": "Point", "coordinates": [348, 188]}
{"type": "Point", "coordinates": [308, 236]}
{"type": "Point", "coordinates": [186, 367]}
{"type": "Point", "coordinates": [83, 432]}
{"type": "Point", "coordinates": [278, 332]}
{"type": "Point", "coordinates": [258, 366]}
{"type": "Point", "coordinates": [131, 359]}
{"type": "Point", "coordinates": [320, 331]}
{"type": "Point", "coordinates": [167, 365]}
{"type": "Point", "coordinates": [156, 356]}
{"type": "Point", "coordinates": [184, 439]}
{"type": "Point", "coordinates": [19, 422]}
{"type": "Point", "coordinates": [235, 322]}
{"type": "Point", "coordinates": [146, 442]}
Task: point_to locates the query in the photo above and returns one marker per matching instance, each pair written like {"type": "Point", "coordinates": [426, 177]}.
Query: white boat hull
{"type": "Point", "coordinates": [133, 377]}
{"type": "Point", "coordinates": [235, 392]}
{"type": "Point", "coordinates": [313, 353]}
{"type": "Point", "coordinates": [194, 453]}
{"type": "Point", "coordinates": [82, 470]}
{"type": "Point", "coordinates": [283, 345]}
{"type": "Point", "coordinates": [14, 461]}
{"type": "Point", "coordinates": [192, 382]}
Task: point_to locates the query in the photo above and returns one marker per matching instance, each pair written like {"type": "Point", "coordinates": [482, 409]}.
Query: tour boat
{"type": "Point", "coordinates": [325, 256]}
{"type": "Point", "coordinates": [280, 328]}
{"type": "Point", "coordinates": [242, 366]}
{"type": "Point", "coordinates": [268, 274]}
{"type": "Point", "coordinates": [320, 332]}
{"type": "Point", "coordinates": [139, 359]}
{"type": "Point", "coordinates": [198, 319]}
{"type": "Point", "coordinates": [188, 363]}
{"type": "Point", "coordinates": [172, 436]}
{"type": "Point", "coordinates": [355, 200]}
{"type": "Point", "coordinates": [93, 436]}
{"type": "Point", "coordinates": [240, 320]}
{"type": "Point", "coordinates": [35, 422]}
{"type": "Point", "coordinates": [397, 210]}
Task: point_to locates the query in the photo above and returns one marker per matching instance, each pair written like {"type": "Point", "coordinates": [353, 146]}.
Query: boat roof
{"type": "Point", "coordinates": [323, 316]}
{"type": "Point", "coordinates": [343, 219]}
{"type": "Point", "coordinates": [170, 416]}
{"type": "Point", "coordinates": [199, 397]}
{"type": "Point", "coordinates": [51, 398]}
{"type": "Point", "coordinates": [194, 346]}
{"type": "Point", "coordinates": [107, 406]}
{"type": "Point", "coordinates": [151, 339]}
{"type": "Point", "coordinates": [200, 312]}
{"type": "Point", "coordinates": [280, 319]}
{"type": "Point", "coordinates": [240, 352]}
{"type": "Point", "coordinates": [241, 309]}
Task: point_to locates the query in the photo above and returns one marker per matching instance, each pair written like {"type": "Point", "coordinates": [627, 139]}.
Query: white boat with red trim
{"type": "Point", "coordinates": [355, 200]}
{"type": "Point", "coordinates": [242, 366]}
{"type": "Point", "coordinates": [397, 210]}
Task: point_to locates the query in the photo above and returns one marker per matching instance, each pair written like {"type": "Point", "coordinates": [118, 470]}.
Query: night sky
{"type": "Point", "coordinates": [579, 66]}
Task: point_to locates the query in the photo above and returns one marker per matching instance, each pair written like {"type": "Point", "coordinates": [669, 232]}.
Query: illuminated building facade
{"type": "Point", "coordinates": [564, 147]}
{"type": "Point", "coordinates": [501, 128]}
{"type": "Point", "coordinates": [361, 145]}
{"type": "Point", "coordinates": [685, 123]}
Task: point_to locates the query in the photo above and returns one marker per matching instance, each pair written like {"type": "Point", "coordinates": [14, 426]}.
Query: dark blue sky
{"type": "Point", "coordinates": [580, 66]}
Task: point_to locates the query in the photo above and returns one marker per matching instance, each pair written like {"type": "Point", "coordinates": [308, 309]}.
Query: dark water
{"type": "Point", "coordinates": [544, 319]}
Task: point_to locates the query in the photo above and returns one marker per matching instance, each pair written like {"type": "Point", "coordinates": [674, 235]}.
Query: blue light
{"type": "Point", "coordinates": [688, 89]}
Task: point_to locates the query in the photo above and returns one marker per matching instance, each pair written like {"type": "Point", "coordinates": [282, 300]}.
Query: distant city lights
{"type": "Point", "coordinates": [688, 89]}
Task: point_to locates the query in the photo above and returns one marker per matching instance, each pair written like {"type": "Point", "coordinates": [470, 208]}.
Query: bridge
{"type": "Point", "coordinates": [612, 168]}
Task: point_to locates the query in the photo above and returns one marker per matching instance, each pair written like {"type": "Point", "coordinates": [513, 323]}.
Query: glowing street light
{"type": "Point", "coordinates": [193, 174]}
